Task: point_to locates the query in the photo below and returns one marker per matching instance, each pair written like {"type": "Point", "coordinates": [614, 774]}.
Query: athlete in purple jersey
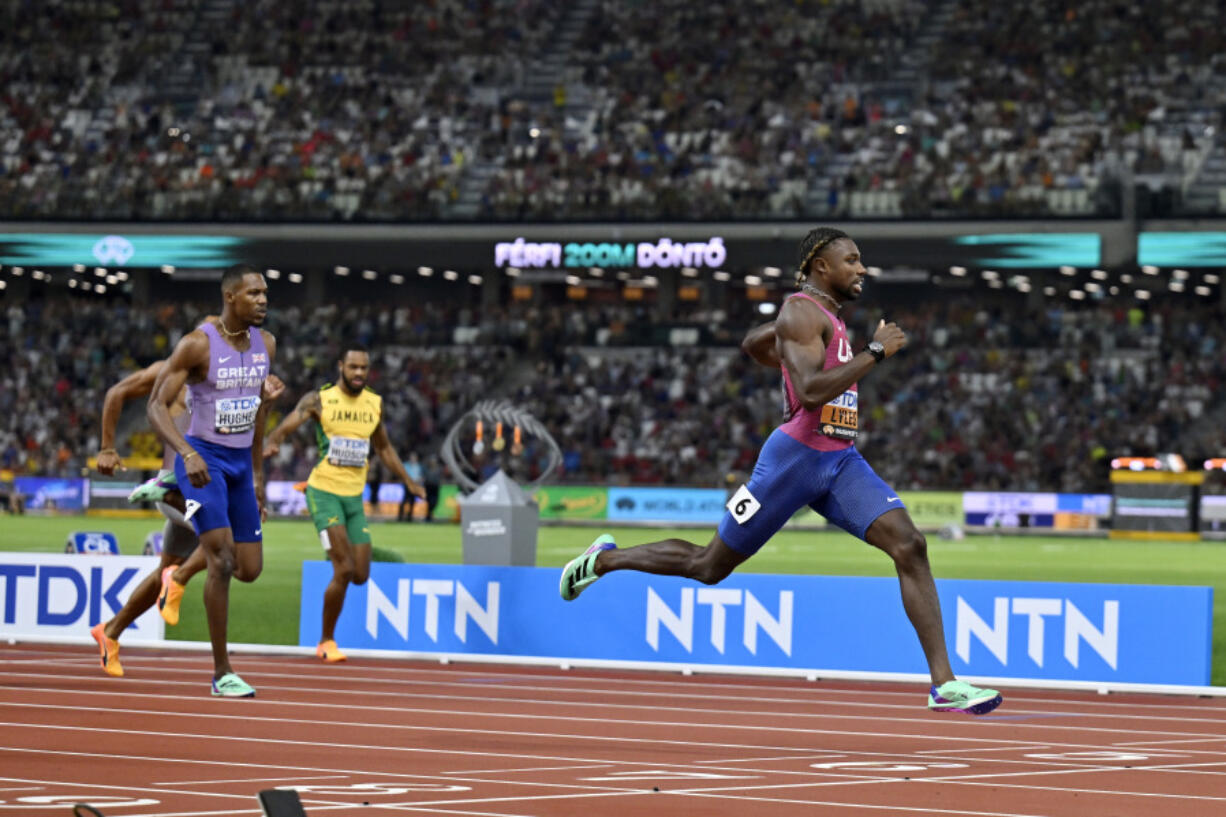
{"type": "Point", "coordinates": [219, 468]}
{"type": "Point", "coordinates": [811, 460]}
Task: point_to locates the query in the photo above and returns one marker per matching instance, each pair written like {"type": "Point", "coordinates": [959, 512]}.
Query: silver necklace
{"type": "Point", "coordinates": [812, 290]}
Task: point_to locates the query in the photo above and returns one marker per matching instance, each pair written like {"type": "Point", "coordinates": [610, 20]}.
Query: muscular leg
{"type": "Point", "coordinates": [895, 533]}
{"type": "Point", "coordinates": [250, 561]}
{"type": "Point", "coordinates": [674, 557]}
{"type": "Point", "coordinates": [341, 552]}
{"type": "Point", "coordinates": [221, 556]}
{"type": "Point", "coordinates": [146, 593]}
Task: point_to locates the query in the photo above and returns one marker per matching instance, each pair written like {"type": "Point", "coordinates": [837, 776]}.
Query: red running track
{"type": "Point", "coordinates": [380, 737]}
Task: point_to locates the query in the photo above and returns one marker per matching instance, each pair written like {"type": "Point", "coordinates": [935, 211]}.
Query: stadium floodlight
{"type": "Point", "coordinates": [37, 275]}
{"type": "Point", "coordinates": [369, 274]}
{"type": "Point", "coordinates": [1077, 294]}
{"type": "Point", "coordinates": [475, 280]}
{"type": "Point", "coordinates": [169, 269]}
{"type": "Point", "coordinates": [425, 272]}
{"type": "Point", "coordinates": [4, 284]}
{"type": "Point", "coordinates": [1099, 274]}
{"type": "Point", "coordinates": [1023, 286]}
{"type": "Point", "coordinates": [396, 278]}
{"type": "Point", "coordinates": [598, 272]}
{"type": "Point", "coordinates": [958, 272]}
{"type": "Point", "coordinates": [753, 281]}
{"type": "Point", "coordinates": [100, 272]}
{"type": "Point", "coordinates": [295, 277]}
{"type": "Point", "coordinates": [625, 276]}
{"type": "Point", "coordinates": [1065, 269]}
{"type": "Point", "coordinates": [1212, 278]}
{"type": "Point", "coordinates": [775, 272]}
{"type": "Point", "coordinates": [512, 272]}
{"type": "Point", "coordinates": [122, 276]}
{"type": "Point", "coordinates": [110, 279]}
{"type": "Point", "coordinates": [990, 274]}
{"type": "Point", "coordinates": [1180, 275]}
{"type": "Point", "coordinates": [341, 271]}
{"type": "Point", "coordinates": [534, 132]}
{"type": "Point", "coordinates": [18, 271]}
{"type": "Point", "coordinates": [274, 274]}
{"type": "Point", "coordinates": [1149, 269]}
{"type": "Point", "coordinates": [78, 268]}
{"type": "Point", "coordinates": [573, 280]}
{"type": "Point", "coordinates": [996, 283]}
{"type": "Point", "coordinates": [1204, 290]}
{"type": "Point", "coordinates": [1142, 294]}
{"type": "Point", "coordinates": [721, 275]}
{"type": "Point", "coordinates": [874, 272]}
{"type": "Point", "coordinates": [100, 289]}
{"type": "Point", "coordinates": [1049, 291]}
{"type": "Point", "coordinates": [651, 281]}
{"type": "Point", "coordinates": [1114, 290]}
{"type": "Point", "coordinates": [1125, 279]}
{"type": "Point", "coordinates": [766, 308]}
{"type": "Point", "coordinates": [900, 129]}
{"type": "Point", "coordinates": [451, 275]}
{"type": "Point", "coordinates": [72, 283]}
{"type": "Point", "coordinates": [1176, 286]}
{"type": "Point", "coordinates": [1093, 287]}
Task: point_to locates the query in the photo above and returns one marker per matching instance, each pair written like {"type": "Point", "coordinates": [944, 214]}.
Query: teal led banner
{"type": "Point", "coordinates": [131, 251]}
{"type": "Point", "coordinates": [1182, 249]}
{"type": "Point", "coordinates": [1034, 250]}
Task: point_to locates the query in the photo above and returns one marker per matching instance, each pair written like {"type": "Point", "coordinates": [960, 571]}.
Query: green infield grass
{"type": "Point", "coordinates": [266, 612]}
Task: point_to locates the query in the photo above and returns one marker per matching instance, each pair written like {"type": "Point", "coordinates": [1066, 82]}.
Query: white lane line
{"type": "Point", "coordinates": [669, 687]}
{"type": "Point", "coordinates": [211, 782]}
{"type": "Point", "coordinates": [921, 722]}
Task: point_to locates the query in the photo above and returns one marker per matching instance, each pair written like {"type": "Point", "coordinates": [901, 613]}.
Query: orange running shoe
{"type": "Point", "coordinates": [169, 598]}
{"type": "Point", "coordinates": [329, 652]}
{"type": "Point", "coordinates": [109, 648]}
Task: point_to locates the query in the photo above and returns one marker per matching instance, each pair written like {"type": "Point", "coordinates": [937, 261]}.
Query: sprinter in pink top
{"type": "Point", "coordinates": [811, 459]}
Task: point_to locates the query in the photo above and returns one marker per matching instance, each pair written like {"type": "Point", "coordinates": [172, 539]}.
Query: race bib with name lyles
{"type": "Point", "coordinates": [348, 452]}
{"type": "Point", "coordinates": [235, 415]}
{"type": "Point", "coordinates": [840, 417]}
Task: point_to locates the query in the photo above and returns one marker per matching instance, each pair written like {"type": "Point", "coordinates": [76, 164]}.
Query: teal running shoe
{"type": "Point", "coordinates": [581, 571]}
{"type": "Point", "coordinates": [959, 696]}
{"type": "Point", "coordinates": [155, 489]}
{"type": "Point", "coordinates": [231, 686]}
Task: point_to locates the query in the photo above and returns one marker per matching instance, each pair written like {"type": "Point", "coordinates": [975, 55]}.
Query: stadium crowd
{"type": "Point", "coordinates": [1038, 401]}
{"type": "Point", "coordinates": [317, 110]}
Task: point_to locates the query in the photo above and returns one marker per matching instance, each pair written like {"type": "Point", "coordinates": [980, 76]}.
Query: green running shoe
{"type": "Point", "coordinates": [581, 571]}
{"type": "Point", "coordinates": [959, 696]}
{"type": "Point", "coordinates": [155, 489]}
{"type": "Point", "coordinates": [231, 686]}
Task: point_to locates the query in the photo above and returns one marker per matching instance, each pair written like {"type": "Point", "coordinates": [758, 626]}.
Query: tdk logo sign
{"type": "Point", "coordinates": [753, 614]}
{"type": "Point", "coordinates": [61, 594]}
{"type": "Point", "coordinates": [113, 249]}
{"type": "Point", "coordinates": [1031, 616]}
{"type": "Point", "coordinates": [393, 608]}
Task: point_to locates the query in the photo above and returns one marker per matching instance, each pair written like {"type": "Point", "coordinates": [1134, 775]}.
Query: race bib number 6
{"type": "Point", "coordinates": [743, 505]}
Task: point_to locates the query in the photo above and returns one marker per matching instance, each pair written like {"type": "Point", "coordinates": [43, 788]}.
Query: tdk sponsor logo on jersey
{"type": "Point", "coordinates": [1076, 632]}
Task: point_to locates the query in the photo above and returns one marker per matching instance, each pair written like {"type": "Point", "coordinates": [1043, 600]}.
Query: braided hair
{"type": "Point", "coordinates": [813, 243]}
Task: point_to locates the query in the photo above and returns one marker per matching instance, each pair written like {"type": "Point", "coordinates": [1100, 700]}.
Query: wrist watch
{"type": "Point", "coordinates": [876, 350]}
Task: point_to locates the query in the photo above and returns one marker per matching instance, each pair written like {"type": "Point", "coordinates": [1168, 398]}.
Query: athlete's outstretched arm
{"type": "Point", "coordinates": [383, 446]}
{"type": "Point", "coordinates": [759, 344]}
{"type": "Point", "coordinates": [801, 331]}
{"type": "Point", "coordinates": [137, 384]}
{"type": "Point", "coordinates": [191, 355]}
{"type": "Point", "coordinates": [308, 408]}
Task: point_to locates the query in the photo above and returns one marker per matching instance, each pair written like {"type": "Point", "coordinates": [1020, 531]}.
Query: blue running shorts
{"type": "Point", "coordinates": [839, 485]}
{"type": "Point", "coordinates": [228, 501]}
